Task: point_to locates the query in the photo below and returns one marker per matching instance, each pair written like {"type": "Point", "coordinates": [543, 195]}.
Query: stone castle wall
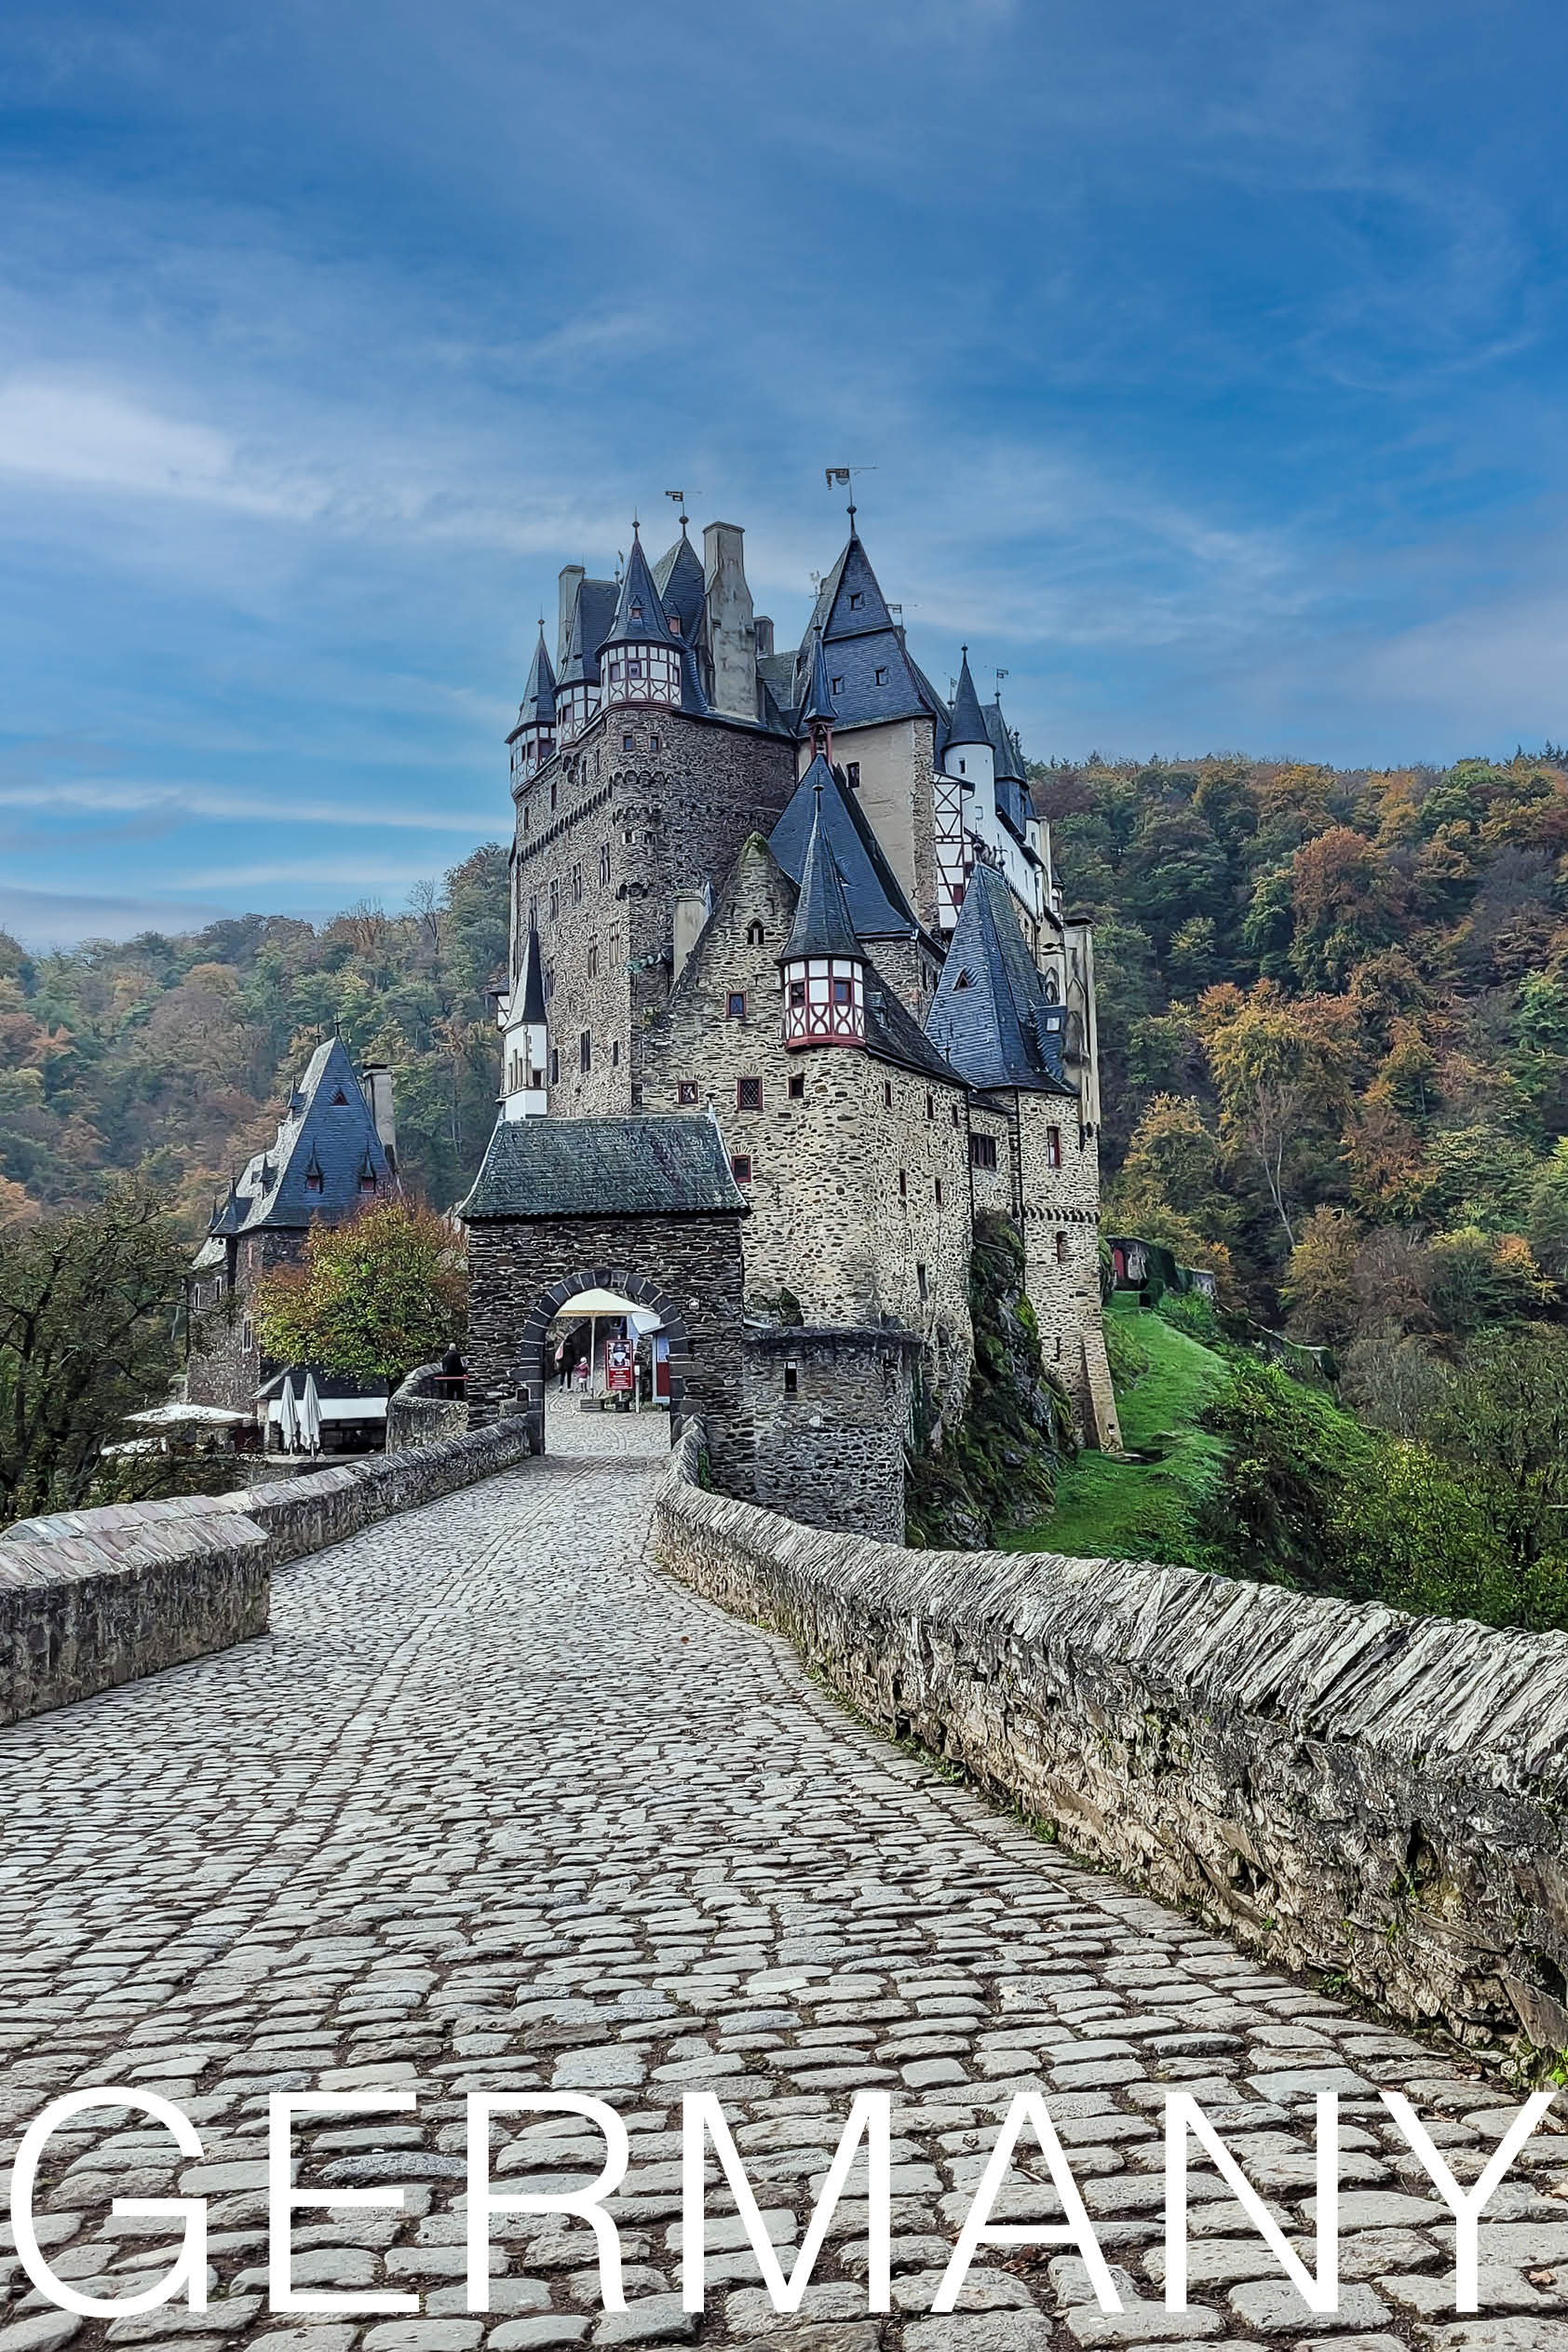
{"type": "Point", "coordinates": [225, 1359]}
{"type": "Point", "coordinates": [829, 1220]}
{"type": "Point", "coordinates": [1061, 1246]}
{"type": "Point", "coordinates": [828, 1415]}
{"type": "Point", "coordinates": [1344, 1787]}
{"type": "Point", "coordinates": [631, 828]}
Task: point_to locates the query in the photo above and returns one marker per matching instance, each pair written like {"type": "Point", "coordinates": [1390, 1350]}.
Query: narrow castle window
{"type": "Point", "coordinates": [1061, 1248]}
{"type": "Point", "coordinates": [244, 1339]}
{"type": "Point", "coordinates": [887, 1092]}
{"type": "Point", "coordinates": [687, 1090]}
{"type": "Point", "coordinates": [755, 934]}
{"type": "Point", "coordinates": [747, 1094]}
{"type": "Point", "coordinates": [921, 1283]}
{"type": "Point", "coordinates": [614, 1053]}
{"type": "Point", "coordinates": [593, 959]}
{"type": "Point", "coordinates": [653, 742]}
{"type": "Point", "coordinates": [576, 885]}
{"type": "Point", "coordinates": [982, 1151]}
{"type": "Point", "coordinates": [628, 740]}
{"type": "Point", "coordinates": [853, 773]}
{"type": "Point", "coordinates": [549, 981]}
{"type": "Point", "coordinates": [903, 1183]}
{"type": "Point", "coordinates": [736, 1007]}
{"type": "Point", "coordinates": [930, 1106]}
{"type": "Point", "coordinates": [1053, 1147]}
{"type": "Point", "coordinates": [797, 992]}
{"type": "Point", "coordinates": [956, 1120]}
{"type": "Point", "coordinates": [555, 900]}
{"type": "Point", "coordinates": [939, 1191]}
{"type": "Point", "coordinates": [791, 1380]}
{"type": "Point", "coordinates": [605, 863]}
{"type": "Point", "coordinates": [797, 1085]}
{"type": "Point", "coordinates": [584, 1051]}
{"type": "Point", "coordinates": [555, 790]}
{"type": "Point", "coordinates": [534, 911]}
{"type": "Point", "coordinates": [740, 1168]}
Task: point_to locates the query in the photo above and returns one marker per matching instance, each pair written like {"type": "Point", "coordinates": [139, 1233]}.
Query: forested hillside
{"type": "Point", "coordinates": [1334, 1025]}
{"type": "Point", "coordinates": [176, 1055]}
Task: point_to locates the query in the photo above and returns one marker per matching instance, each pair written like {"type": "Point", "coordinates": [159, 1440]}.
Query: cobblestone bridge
{"type": "Point", "coordinates": [498, 1806]}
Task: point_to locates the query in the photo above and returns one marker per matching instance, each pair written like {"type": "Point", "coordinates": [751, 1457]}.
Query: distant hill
{"type": "Point", "coordinates": [177, 1054]}
{"type": "Point", "coordinates": [1334, 1028]}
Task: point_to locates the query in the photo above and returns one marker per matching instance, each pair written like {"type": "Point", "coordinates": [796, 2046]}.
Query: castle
{"type": "Point", "coordinates": [790, 982]}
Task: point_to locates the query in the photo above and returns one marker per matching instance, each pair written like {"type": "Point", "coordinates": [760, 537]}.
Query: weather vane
{"type": "Point", "coordinates": [843, 478]}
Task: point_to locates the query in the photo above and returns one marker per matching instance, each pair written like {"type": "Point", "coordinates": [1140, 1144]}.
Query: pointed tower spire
{"type": "Point", "coordinates": [820, 710]}
{"type": "Point", "coordinates": [967, 724]}
{"type": "Point", "coordinates": [823, 964]}
{"type": "Point", "coordinates": [538, 696]}
{"type": "Point", "coordinates": [640, 660]}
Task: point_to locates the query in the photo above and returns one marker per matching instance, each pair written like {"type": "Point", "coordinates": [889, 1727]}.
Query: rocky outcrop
{"type": "Point", "coordinates": [1349, 1790]}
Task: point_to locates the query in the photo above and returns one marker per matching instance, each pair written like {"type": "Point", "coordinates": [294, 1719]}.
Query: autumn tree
{"type": "Point", "coordinates": [88, 1299]}
{"type": "Point", "coordinates": [1282, 1073]}
{"type": "Point", "coordinates": [374, 1298]}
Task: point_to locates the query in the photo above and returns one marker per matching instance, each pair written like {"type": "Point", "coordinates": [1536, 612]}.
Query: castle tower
{"type": "Point", "coordinates": [523, 1042]}
{"type": "Point", "coordinates": [640, 660]}
{"type": "Point", "coordinates": [533, 739]}
{"type": "Point", "coordinates": [823, 966]}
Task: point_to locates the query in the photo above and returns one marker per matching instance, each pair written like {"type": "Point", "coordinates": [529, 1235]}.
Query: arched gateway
{"type": "Point", "coordinates": [647, 1208]}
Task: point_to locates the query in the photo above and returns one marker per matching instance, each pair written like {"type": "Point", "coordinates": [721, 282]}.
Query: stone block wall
{"type": "Point", "coordinates": [827, 1416]}
{"type": "Point", "coordinates": [420, 1412]}
{"type": "Point", "coordinates": [92, 1599]}
{"type": "Point", "coordinates": [1344, 1787]}
{"type": "Point", "coordinates": [225, 1360]}
{"type": "Point", "coordinates": [630, 828]}
{"type": "Point", "coordinates": [1060, 1206]}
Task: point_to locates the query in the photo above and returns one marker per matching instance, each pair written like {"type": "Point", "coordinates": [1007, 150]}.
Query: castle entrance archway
{"type": "Point", "coordinates": [641, 1209]}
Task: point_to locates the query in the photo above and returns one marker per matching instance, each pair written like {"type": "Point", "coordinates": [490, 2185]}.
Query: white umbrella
{"type": "Point", "coordinates": [287, 1420]}
{"type": "Point", "coordinates": [310, 1424]}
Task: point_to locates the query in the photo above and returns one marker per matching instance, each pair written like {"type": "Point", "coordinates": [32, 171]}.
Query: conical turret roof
{"type": "Point", "coordinates": [968, 723]}
{"type": "Point", "coordinates": [528, 995]}
{"type": "Point", "coordinates": [679, 579]}
{"type": "Point", "coordinates": [822, 924]}
{"type": "Point", "coordinates": [990, 1015]}
{"type": "Point", "coordinates": [538, 696]}
{"type": "Point", "coordinates": [640, 612]}
{"type": "Point", "coordinates": [820, 704]}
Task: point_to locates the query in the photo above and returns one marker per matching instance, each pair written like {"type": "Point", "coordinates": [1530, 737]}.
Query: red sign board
{"type": "Point", "coordinates": [619, 1366]}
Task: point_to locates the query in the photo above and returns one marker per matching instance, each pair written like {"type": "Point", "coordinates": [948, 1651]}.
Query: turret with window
{"type": "Point", "coordinates": [640, 660]}
{"type": "Point", "coordinates": [823, 964]}
{"type": "Point", "coordinates": [533, 739]}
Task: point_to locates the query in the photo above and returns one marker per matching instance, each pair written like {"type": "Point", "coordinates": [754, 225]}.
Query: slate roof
{"type": "Point", "coordinates": [538, 696]}
{"type": "Point", "coordinates": [593, 611]}
{"type": "Point", "coordinates": [860, 639]}
{"type": "Point", "coordinates": [878, 908]}
{"type": "Point", "coordinates": [819, 698]}
{"type": "Point", "coordinates": [1003, 744]}
{"type": "Point", "coordinates": [967, 725]}
{"type": "Point", "coordinates": [991, 1016]}
{"type": "Point", "coordinates": [329, 1128]}
{"type": "Point", "coordinates": [894, 1035]}
{"type": "Point", "coordinates": [657, 1167]}
{"type": "Point", "coordinates": [822, 924]}
{"type": "Point", "coordinates": [639, 610]}
{"type": "Point", "coordinates": [682, 590]}
{"type": "Point", "coordinates": [532, 1003]}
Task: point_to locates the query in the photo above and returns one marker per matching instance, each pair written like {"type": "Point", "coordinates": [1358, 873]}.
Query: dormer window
{"type": "Point", "coordinates": [856, 600]}
{"type": "Point", "coordinates": [367, 1177]}
{"type": "Point", "coordinates": [835, 686]}
{"type": "Point", "coordinates": [675, 623]}
{"type": "Point", "coordinates": [635, 608]}
{"type": "Point", "coordinates": [312, 1176]}
{"type": "Point", "coordinates": [882, 676]}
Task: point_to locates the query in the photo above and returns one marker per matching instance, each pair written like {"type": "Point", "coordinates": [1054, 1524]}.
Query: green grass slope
{"type": "Point", "coordinates": [1141, 1509]}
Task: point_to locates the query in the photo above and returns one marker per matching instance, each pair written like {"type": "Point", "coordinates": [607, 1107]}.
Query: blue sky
{"type": "Point", "coordinates": [1210, 361]}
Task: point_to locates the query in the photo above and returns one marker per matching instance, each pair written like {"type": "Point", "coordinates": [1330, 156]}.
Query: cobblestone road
{"type": "Point", "coordinates": [498, 1806]}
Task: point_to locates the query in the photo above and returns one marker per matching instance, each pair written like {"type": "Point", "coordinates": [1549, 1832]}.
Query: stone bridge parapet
{"type": "Point", "coordinates": [91, 1599]}
{"type": "Point", "coordinates": [1347, 1789]}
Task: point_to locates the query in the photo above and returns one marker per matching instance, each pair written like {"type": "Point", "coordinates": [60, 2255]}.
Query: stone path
{"type": "Point", "coordinates": [498, 1806]}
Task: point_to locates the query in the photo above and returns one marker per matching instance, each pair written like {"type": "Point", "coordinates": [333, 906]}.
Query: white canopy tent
{"type": "Point", "coordinates": [596, 1305]}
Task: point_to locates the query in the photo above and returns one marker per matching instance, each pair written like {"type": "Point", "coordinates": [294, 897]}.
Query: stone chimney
{"type": "Point", "coordinates": [375, 1080]}
{"type": "Point", "coordinates": [764, 637]}
{"type": "Point", "coordinates": [571, 581]}
{"type": "Point", "coordinates": [732, 634]}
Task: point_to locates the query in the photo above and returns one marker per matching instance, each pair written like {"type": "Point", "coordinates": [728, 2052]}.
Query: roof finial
{"type": "Point", "coordinates": [634, 526]}
{"type": "Point", "coordinates": [679, 497]}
